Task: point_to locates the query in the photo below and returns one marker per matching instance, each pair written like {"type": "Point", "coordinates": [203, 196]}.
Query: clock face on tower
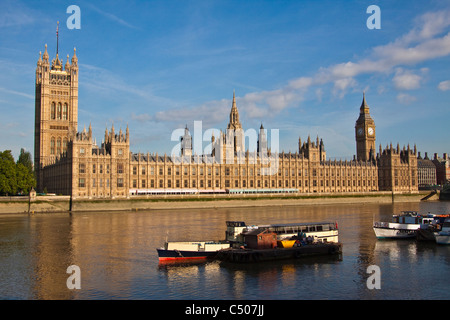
{"type": "Point", "coordinates": [370, 131]}
{"type": "Point", "coordinates": [360, 131]}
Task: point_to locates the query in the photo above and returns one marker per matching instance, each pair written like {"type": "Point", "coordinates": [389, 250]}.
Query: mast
{"type": "Point", "coordinates": [57, 38]}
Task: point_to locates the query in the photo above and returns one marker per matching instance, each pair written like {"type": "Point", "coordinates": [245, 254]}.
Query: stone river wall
{"type": "Point", "coordinates": [53, 204]}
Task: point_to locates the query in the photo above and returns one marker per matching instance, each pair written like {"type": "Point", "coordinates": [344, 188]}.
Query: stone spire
{"type": "Point", "coordinates": [45, 56]}
{"type": "Point", "coordinates": [67, 66]}
{"type": "Point", "coordinates": [74, 58]}
{"type": "Point", "coordinates": [364, 112]}
{"type": "Point", "coordinates": [234, 115]}
{"type": "Point", "coordinates": [364, 106]}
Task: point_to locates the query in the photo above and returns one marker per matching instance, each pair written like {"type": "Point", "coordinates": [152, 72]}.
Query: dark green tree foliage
{"type": "Point", "coordinates": [8, 181]}
{"type": "Point", "coordinates": [25, 159]}
{"type": "Point", "coordinates": [16, 177]}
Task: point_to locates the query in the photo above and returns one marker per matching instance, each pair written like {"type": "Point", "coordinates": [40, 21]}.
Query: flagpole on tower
{"type": "Point", "coordinates": [57, 37]}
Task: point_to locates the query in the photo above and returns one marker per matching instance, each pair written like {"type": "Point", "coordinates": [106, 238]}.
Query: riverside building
{"type": "Point", "coordinates": [69, 162]}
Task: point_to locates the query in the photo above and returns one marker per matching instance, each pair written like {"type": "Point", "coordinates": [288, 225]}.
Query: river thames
{"type": "Point", "coordinates": [115, 252]}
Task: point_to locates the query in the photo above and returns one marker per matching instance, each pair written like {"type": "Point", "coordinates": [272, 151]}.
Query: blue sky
{"type": "Point", "coordinates": [297, 66]}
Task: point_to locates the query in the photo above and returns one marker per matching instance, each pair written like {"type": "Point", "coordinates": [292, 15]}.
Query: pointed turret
{"type": "Point", "coordinates": [234, 115]}
{"type": "Point", "coordinates": [364, 107]}
{"type": "Point", "coordinates": [40, 59]}
{"type": "Point", "coordinates": [74, 58]}
{"type": "Point", "coordinates": [67, 66]}
{"type": "Point", "coordinates": [45, 56]}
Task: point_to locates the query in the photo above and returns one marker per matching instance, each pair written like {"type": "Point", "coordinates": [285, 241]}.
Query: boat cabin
{"type": "Point", "coordinates": [234, 231]}
{"type": "Point", "coordinates": [260, 239]}
{"type": "Point", "coordinates": [320, 231]}
{"type": "Point", "coordinates": [413, 217]}
{"type": "Point", "coordinates": [446, 225]}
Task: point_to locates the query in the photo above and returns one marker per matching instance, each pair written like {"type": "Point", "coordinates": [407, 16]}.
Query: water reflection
{"type": "Point", "coordinates": [116, 252]}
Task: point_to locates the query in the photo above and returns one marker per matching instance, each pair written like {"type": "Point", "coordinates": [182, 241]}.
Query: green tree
{"type": "Point", "coordinates": [8, 180]}
{"type": "Point", "coordinates": [24, 172]}
{"type": "Point", "coordinates": [25, 179]}
{"type": "Point", "coordinates": [25, 159]}
{"type": "Point", "coordinates": [16, 177]}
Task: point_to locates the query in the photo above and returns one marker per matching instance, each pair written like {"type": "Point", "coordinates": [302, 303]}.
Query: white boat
{"type": "Point", "coordinates": [403, 226]}
{"type": "Point", "coordinates": [185, 250]}
{"type": "Point", "coordinates": [318, 232]}
{"type": "Point", "coordinates": [443, 237]}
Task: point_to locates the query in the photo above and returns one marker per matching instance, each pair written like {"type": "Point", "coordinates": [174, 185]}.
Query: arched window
{"type": "Point", "coordinates": [59, 111]}
{"type": "Point", "coordinates": [65, 145]}
{"type": "Point", "coordinates": [52, 146]}
{"type": "Point", "coordinates": [53, 111]}
{"type": "Point", "coordinates": [58, 146]}
{"type": "Point", "coordinates": [65, 109]}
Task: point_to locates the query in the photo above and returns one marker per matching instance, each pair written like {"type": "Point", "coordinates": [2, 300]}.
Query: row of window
{"type": "Point", "coordinates": [82, 183]}
{"type": "Point", "coordinates": [120, 170]}
{"type": "Point", "coordinates": [101, 168]}
{"type": "Point", "coordinates": [397, 173]}
{"type": "Point", "coordinates": [57, 146]}
{"type": "Point", "coordinates": [401, 182]}
{"type": "Point", "coordinates": [59, 111]}
{"type": "Point", "coordinates": [252, 183]}
{"type": "Point", "coordinates": [251, 172]}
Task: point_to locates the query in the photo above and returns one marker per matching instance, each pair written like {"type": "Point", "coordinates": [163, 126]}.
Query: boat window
{"type": "Point", "coordinates": [319, 228]}
{"type": "Point", "coordinates": [312, 228]}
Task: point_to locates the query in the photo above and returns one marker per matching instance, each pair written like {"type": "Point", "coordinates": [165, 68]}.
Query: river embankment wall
{"type": "Point", "coordinates": [53, 204]}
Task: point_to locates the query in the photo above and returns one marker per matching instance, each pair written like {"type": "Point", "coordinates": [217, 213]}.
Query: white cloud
{"type": "Point", "coordinates": [112, 17]}
{"type": "Point", "coordinates": [26, 95]}
{"type": "Point", "coordinates": [15, 14]}
{"type": "Point", "coordinates": [406, 80]}
{"type": "Point", "coordinates": [444, 85]}
{"type": "Point", "coordinates": [209, 113]}
{"type": "Point", "coordinates": [424, 42]}
{"type": "Point", "coordinates": [405, 98]}
{"type": "Point", "coordinates": [341, 86]}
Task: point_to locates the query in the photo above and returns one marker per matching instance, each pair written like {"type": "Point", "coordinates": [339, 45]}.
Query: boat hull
{"type": "Point", "coordinates": [443, 238]}
{"type": "Point", "coordinates": [391, 233]}
{"type": "Point", "coordinates": [260, 255]}
{"type": "Point", "coordinates": [425, 235]}
{"type": "Point", "coordinates": [179, 255]}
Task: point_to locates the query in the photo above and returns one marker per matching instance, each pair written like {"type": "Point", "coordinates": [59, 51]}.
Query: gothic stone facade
{"type": "Point", "coordinates": [69, 162]}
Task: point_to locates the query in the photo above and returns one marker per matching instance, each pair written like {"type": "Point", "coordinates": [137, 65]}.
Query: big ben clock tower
{"type": "Point", "coordinates": [365, 134]}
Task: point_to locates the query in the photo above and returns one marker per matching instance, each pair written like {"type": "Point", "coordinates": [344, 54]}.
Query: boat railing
{"type": "Point", "coordinates": [381, 224]}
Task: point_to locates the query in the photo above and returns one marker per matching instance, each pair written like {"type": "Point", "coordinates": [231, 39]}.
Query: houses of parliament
{"type": "Point", "coordinates": [69, 162]}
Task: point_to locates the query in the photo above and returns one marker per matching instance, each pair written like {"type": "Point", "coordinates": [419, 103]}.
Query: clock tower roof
{"type": "Point", "coordinates": [364, 113]}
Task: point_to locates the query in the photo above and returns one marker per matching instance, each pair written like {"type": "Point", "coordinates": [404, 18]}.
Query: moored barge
{"type": "Point", "coordinates": [279, 241]}
{"type": "Point", "coordinates": [259, 243]}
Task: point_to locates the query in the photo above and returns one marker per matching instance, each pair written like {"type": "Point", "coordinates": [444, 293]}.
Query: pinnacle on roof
{"type": "Point", "coordinates": [364, 106]}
